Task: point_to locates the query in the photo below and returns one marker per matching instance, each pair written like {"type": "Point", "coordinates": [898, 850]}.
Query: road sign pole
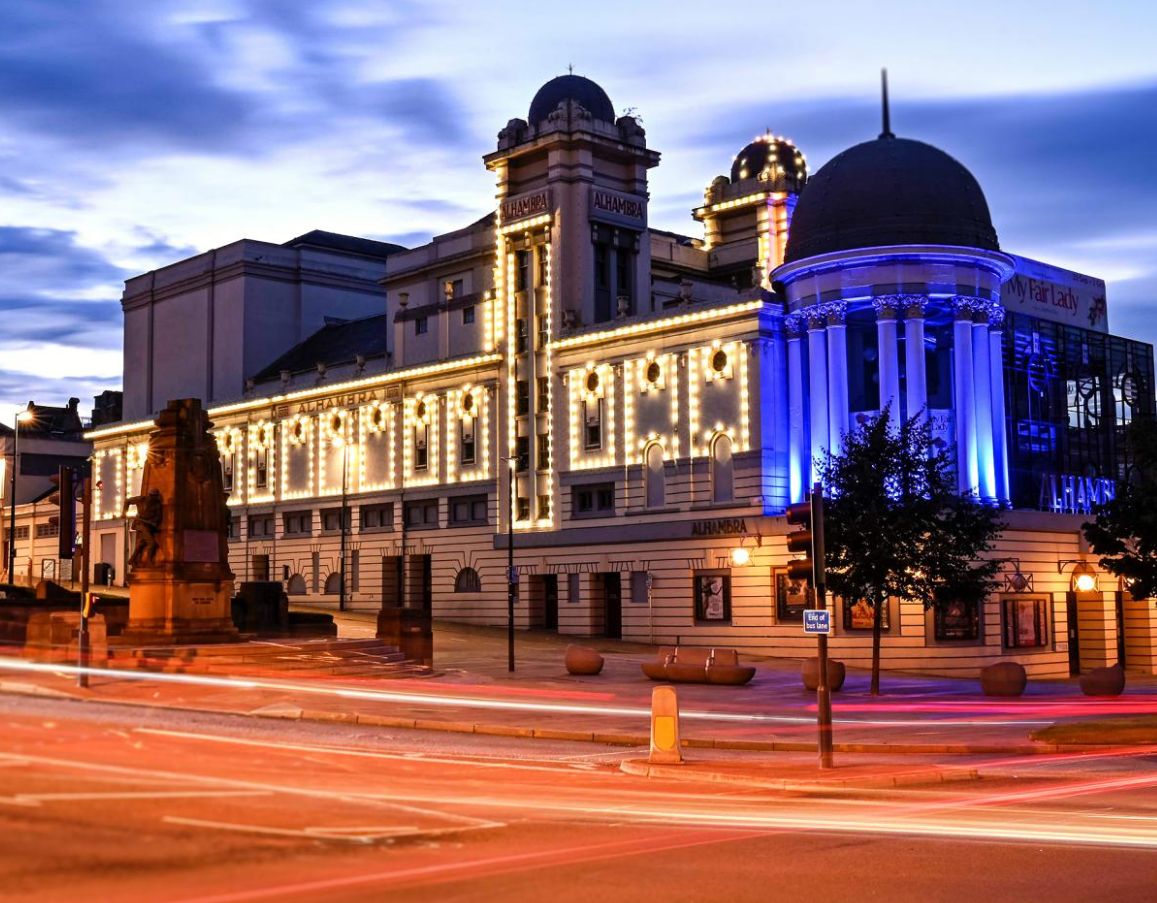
{"type": "Point", "coordinates": [823, 690]}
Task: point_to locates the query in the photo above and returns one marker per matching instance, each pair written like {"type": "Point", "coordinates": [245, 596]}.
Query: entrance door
{"type": "Point", "coordinates": [550, 601]}
{"type": "Point", "coordinates": [1074, 636]}
{"type": "Point", "coordinates": [1120, 628]}
{"type": "Point", "coordinates": [260, 567]}
{"type": "Point", "coordinates": [613, 605]}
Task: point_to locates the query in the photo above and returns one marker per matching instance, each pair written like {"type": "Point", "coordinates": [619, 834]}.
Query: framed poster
{"type": "Point", "coordinates": [1025, 621]}
{"type": "Point", "coordinates": [791, 597]}
{"type": "Point", "coordinates": [860, 616]}
{"type": "Point", "coordinates": [957, 620]}
{"type": "Point", "coordinates": [712, 596]}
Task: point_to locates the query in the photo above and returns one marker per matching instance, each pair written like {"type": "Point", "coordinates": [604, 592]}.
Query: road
{"type": "Point", "coordinates": [104, 802]}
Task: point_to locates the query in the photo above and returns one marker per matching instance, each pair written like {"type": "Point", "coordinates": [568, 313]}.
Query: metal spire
{"type": "Point", "coordinates": [887, 133]}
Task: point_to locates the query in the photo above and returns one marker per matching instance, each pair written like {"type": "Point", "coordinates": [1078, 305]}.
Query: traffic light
{"type": "Point", "coordinates": [809, 541]}
{"type": "Point", "coordinates": [65, 497]}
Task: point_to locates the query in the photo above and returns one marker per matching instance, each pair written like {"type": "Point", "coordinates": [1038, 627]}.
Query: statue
{"type": "Point", "coordinates": [146, 525]}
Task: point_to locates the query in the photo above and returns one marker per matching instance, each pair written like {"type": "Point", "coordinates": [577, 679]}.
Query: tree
{"type": "Point", "coordinates": [1124, 532]}
{"type": "Point", "coordinates": [897, 526]}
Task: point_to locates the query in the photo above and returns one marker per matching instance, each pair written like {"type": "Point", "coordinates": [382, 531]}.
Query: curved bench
{"type": "Point", "coordinates": [697, 665]}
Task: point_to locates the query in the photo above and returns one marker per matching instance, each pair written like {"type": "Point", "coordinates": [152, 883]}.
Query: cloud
{"type": "Point", "coordinates": [48, 261]}
{"type": "Point", "coordinates": [18, 388]}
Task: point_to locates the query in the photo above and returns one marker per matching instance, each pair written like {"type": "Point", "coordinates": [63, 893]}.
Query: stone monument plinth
{"type": "Point", "coordinates": [180, 584]}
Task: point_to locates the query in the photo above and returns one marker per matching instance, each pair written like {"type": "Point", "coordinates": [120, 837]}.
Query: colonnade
{"type": "Point", "coordinates": [818, 399]}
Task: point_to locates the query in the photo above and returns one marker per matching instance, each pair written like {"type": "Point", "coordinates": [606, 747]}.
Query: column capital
{"type": "Point", "coordinates": [894, 303]}
{"type": "Point", "coordinates": [824, 313]}
{"type": "Point", "coordinates": [794, 325]}
{"type": "Point", "coordinates": [996, 315]}
{"type": "Point", "coordinates": [967, 306]}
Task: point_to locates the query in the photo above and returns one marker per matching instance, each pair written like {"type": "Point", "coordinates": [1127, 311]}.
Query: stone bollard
{"type": "Point", "coordinates": [665, 746]}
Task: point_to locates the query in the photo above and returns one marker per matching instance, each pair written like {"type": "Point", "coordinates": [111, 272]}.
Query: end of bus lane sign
{"type": "Point", "coordinates": [817, 620]}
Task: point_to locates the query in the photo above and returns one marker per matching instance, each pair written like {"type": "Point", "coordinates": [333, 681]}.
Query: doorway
{"type": "Point", "coordinates": [1120, 606]}
{"type": "Point", "coordinates": [542, 594]}
{"type": "Point", "coordinates": [612, 605]}
{"type": "Point", "coordinates": [1074, 635]}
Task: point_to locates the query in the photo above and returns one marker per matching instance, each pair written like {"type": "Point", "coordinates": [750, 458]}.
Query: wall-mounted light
{"type": "Point", "coordinates": [742, 554]}
{"type": "Point", "coordinates": [1084, 575]}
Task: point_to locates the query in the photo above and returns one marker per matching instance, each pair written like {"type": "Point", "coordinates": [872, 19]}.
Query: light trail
{"type": "Point", "coordinates": [451, 701]}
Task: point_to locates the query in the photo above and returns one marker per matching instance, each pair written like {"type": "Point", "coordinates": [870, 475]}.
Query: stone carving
{"type": "Point", "coordinates": [146, 525]}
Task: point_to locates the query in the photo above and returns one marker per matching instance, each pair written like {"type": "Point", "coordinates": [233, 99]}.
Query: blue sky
{"type": "Point", "coordinates": [136, 132]}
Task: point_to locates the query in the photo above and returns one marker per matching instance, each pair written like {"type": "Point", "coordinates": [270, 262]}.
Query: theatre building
{"type": "Point", "coordinates": [643, 404]}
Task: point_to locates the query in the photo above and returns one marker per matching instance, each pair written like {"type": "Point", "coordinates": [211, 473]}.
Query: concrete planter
{"type": "Point", "coordinates": [1003, 679]}
{"type": "Point", "coordinates": [811, 673]}
{"type": "Point", "coordinates": [1104, 681]}
{"type": "Point", "coordinates": [582, 660]}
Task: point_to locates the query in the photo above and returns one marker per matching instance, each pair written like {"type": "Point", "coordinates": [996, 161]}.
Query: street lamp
{"type": "Point", "coordinates": [25, 416]}
{"type": "Point", "coordinates": [511, 574]}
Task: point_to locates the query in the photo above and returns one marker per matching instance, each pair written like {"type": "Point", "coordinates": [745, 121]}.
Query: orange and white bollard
{"type": "Point", "coordinates": [665, 747]}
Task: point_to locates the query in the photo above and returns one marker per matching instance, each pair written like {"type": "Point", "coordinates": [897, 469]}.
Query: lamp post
{"type": "Point", "coordinates": [25, 416]}
{"type": "Point", "coordinates": [511, 574]}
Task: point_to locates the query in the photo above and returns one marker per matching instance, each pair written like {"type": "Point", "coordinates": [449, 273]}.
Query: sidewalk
{"type": "Point", "coordinates": [901, 738]}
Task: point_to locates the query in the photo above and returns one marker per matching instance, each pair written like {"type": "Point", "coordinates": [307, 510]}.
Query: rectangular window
{"type": "Point", "coordinates": [522, 397]}
{"type": "Point", "coordinates": [260, 526]}
{"type": "Point", "coordinates": [234, 527]}
{"type": "Point", "coordinates": [543, 258]}
{"type": "Point", "coordinates": [261, 464]}
{"type": "Point", "coordinates": [542, 462]}
{"type": "Point", "coordinates": [543, 394]}
{"type": "Point", "coordinates": [297, 523]}
{"type": "Point", "coordinates": [1025, 622]}
{"type": "Point", "coordinates": [421, 456]}
{"type": "Point", "coordinates": [467, 315]}
{"type": "Point", "coordinates": [522, 271]}
{"type": "Point", "coordinates": [377, 517]}
{"type": "Point", "coordinates": [712, 596]}
{"type": "Point", "coordinates": [331, 519]}
{"type": "Point", "coordinates": [543, 331]}
{"type": "Point", "coordinates": [43, 531]}
{"type": "Point", "coordinates": [469, 432]}
{"type": "Point", "coordinates": [544, 507]}
{"type": "Point", "coordinates": [791, 598]}
{"type": "Point", "coordinates": [22, 533]}
{"type": "Point", "coordinates": [456, 288]}
{"type": "Point", "coordinates": [957, 621]}
{"type": "Point", "coordinates": [520, 337]}
{"type": "Point", "coordinates": [227, 464]}
{"type": "Point", "coordinates": [468, 509]}
{"type": "Point", "coordinates": [522, 508]}
{"type": "Point", "coordinates": [594, 500]}
{"type": "Point", "coordinates": [421, 325]}
{"type": "Point", "coordinates": [421, 515]}
{"type": "Point", "coordinates": [593, 424]}
{"type": "Point", "coordinates": [521, 453]}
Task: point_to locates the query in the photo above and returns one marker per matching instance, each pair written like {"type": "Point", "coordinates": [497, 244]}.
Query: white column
{"type": "Point", "coordinates": [817, 392]}
{"type": "Point", "coordinates": [964, 388]}
{"type": "Point", "coordinates": [888, 356]}
{"type": "Point", "coordinates": [982, 375]}
{"type": "Point", "coordinates": [916, 379]}
{"type": "Point", "coordinates": [837, 374]}
{"type": "Point", "coordinates": [996, 384]}
{"type": "Point", "coordinates": [797, 464]}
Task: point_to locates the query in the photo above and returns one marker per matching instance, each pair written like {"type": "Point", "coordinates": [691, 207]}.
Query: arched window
{"type": "Point", "coordinates": [467, 581]}
{"type": "Point", "coordinates": [722, 481]}
{"type": "Point", "coordinates": [333, 584]}
{"type": "Point", "coordinates": [296, 585]}
{"type": "Point", "coordinates": [654, 477]}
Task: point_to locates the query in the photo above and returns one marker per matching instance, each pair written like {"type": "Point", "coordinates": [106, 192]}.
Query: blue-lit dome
{"type": "Point", "coordinates": [571, 87]}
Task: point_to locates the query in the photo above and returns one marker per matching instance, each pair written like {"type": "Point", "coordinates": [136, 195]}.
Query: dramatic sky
{"type": "Point", "coordinates": [136, 132]}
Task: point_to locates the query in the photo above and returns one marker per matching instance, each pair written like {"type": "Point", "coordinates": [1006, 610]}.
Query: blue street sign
{"type": "Point", "coordinates": [817, 620]}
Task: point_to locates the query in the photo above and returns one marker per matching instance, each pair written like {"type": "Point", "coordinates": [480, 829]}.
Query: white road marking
{"type": "Point", "coordinates": [37, 798]}
{"type": "Point", "coordinates": [352, 797]}
{"type": "Point", "coordinates": [351, 835]}
{"type": "Point", "coordinates": [351, 751]}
